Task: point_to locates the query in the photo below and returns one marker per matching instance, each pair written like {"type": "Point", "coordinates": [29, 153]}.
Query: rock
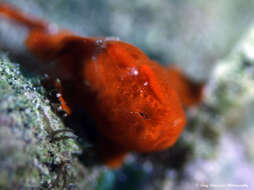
{"type": "Point", "coordinates": [28, 156]}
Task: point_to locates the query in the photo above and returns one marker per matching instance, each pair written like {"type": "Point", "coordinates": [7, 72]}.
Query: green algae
{"type": "Point", "coordinates": [28, 157]}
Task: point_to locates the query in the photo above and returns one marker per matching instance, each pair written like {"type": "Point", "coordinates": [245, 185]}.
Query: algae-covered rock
{"type": "Point", "coordinates": [28, 157]}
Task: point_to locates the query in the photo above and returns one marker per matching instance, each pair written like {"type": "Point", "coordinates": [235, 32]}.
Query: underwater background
{"type": "Point", "coordinates": [212, 41]}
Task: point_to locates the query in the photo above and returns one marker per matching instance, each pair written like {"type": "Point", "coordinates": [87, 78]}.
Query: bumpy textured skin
{"type": "Point", "coordinates": [135, 104]}
{"type": "Point", "coordinates": [135, 101]}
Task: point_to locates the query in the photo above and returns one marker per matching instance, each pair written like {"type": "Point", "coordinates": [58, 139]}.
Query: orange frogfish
{"type": "Point", "coordinates": [136, 103]}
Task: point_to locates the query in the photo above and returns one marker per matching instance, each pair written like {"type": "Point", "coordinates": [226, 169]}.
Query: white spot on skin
{"type": "Point", "coordinates": [145, 83]}
{"type": "Point", "coordinates": [134, 71]}
{"type": "Point", "coordinates": [100, 44]}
